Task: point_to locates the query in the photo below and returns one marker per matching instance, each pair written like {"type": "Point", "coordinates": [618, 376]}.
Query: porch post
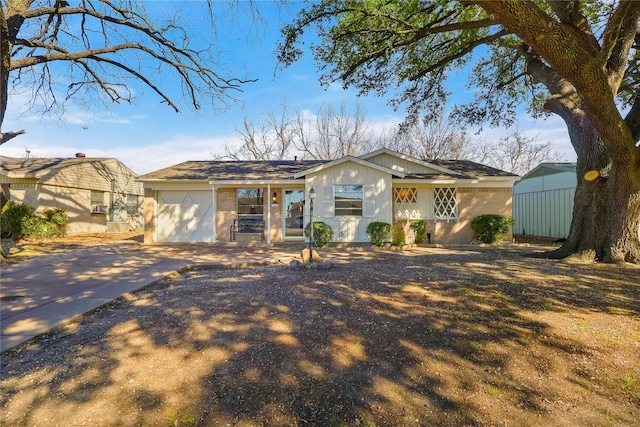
{"type": "Point", "coordinates": [214, 208]}
{"type": "Point", "coordinates": [268, 213]}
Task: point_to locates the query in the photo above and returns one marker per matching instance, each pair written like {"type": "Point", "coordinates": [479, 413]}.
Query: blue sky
{"type": "Point", "coordinates": [147, 135]}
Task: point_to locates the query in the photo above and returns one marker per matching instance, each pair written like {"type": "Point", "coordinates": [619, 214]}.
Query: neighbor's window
{"type": "Point", "coordinates": [250, 201]}
{"type": "Point", "coordinates": [445, 202]}
{"type": "Point", "coordinates": [133, 203]}
{"type": "Point", "coordinates": [348, 200]}
{"type": "Point", "coordinates": [97, 197]}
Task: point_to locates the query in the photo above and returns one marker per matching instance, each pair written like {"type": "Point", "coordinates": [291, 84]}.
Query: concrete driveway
{"type": "Point", "coordinates": [47, 291]}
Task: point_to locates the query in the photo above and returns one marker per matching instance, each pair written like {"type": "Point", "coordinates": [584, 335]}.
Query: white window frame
{"type": "Point", "coordinates": [445, 203]}
{"type": "Point", "coordinates": [337, 210]}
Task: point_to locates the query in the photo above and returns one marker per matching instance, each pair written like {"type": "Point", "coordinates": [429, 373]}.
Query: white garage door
{"type": "Point", "coordinates": [185, 216]}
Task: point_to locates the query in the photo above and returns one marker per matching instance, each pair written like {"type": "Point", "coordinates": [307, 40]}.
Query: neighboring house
{"type": "Point", "coordinates": [99, 195]}
{"type": "Point", "coordinates": [543, 200]}
{"type": "Point", "coordinates": [199, 201]}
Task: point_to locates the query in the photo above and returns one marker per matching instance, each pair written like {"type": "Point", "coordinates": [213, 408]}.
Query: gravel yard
{"type": "Point", "coordinates": [431, 336]}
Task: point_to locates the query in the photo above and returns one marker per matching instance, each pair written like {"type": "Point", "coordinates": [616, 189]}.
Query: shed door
{"type": "Point", "coordinates": [185, 216]}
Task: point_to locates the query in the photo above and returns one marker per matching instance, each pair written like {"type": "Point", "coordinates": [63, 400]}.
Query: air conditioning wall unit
{"type": "Point", "coordinates": [99, 209]}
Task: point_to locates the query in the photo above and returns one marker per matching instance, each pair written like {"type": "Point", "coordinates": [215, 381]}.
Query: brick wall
{"type": "Point", "coordinates": [472, 201]}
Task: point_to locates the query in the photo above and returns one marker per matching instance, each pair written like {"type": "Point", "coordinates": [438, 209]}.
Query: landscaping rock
{"type": "Point", "coordinates": [325, 265]}
{"type": "Point", "coordinates": [305, 256]}
{"type": "Point", "coordinates": [296, 264]}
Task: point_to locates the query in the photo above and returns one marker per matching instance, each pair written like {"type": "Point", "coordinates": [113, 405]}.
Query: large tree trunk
{"type": "Point", "coordinates": [589, 211]}
{"type": "Point", "coordinates": [606, 214]}
{"type": "Point", "coordinates": [623, 205]}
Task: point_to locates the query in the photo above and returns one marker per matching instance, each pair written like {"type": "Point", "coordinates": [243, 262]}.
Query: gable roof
{"type": "Point", "coordinates": [231, 170]}
{"type": "Point", "coordinates": [15, 167]}
{"type": "Point", "coordinates": [346, 159]}
{"type": "Point", "coordinates": [471, 169]}
{"type": "Point", "coordinates": [405, 157]}
{"type": "Point", "coordinates": [236, 171]}
{"type": "Point", "coordinates": [550, 168]}
{"type": "Point", "coordinates": [452, 169]}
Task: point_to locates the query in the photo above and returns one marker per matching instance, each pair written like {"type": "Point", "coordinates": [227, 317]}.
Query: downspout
{"type": "Point", "coordinates": [268, 213]}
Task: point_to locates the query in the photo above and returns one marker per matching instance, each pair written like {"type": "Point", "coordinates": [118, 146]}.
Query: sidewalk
{"type": "Point", "coordinates": [47, 291]}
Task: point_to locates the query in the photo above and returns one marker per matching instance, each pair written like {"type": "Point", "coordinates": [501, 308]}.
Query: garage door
{"type": "Point", "coordinates": [185, 216]}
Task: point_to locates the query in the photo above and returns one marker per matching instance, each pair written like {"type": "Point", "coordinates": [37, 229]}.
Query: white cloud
{"type": "Point", "coordinates": [140, 158]}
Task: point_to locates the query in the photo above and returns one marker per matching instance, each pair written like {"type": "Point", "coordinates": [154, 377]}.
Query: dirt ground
{"type": "Point", "coordinates": [430, 336]}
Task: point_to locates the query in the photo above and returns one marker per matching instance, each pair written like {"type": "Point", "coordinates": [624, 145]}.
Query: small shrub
{"type": "Point", "coordinates": [322, 233]}
{"type": "Point", "coordinates": [398, 236]}
{"type": "Point", "coordinates": [380, 233]}
{"type": "Point", "coordinates": [310, 265]}
{"type": "Point", "coordinates": [490, 228]}
{"type": "Point", "coordinates": [419, 227]}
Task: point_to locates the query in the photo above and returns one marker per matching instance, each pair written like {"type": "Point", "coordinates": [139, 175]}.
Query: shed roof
{"type": "Point", "coordinates": [550, 168]}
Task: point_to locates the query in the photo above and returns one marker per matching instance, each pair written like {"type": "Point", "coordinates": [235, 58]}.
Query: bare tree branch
{"type": "Point", "coordinates": [111, 43]}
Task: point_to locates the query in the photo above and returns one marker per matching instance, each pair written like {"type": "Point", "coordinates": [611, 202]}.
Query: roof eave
{"type": "Point", "coordinates": [255, 182]}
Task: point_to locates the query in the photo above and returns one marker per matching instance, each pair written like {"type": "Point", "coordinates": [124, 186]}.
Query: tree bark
{"type": "Point", "coordinates": [5, 63]}
{"type": "Point", "coordinates": [607, 210]}
{"type": "Point", "coordinates": [606, 214]}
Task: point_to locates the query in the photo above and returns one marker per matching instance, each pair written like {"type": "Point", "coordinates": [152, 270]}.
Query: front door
{"type": "Point", "coordinates": [293, 218]}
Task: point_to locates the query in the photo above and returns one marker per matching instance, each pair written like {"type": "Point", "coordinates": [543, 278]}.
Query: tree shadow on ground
{"type": "Point", "coordinates": [468, 337]}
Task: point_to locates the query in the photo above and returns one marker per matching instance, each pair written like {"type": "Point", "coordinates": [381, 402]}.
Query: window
{"type": "Point", "coordinates": [445, 203]}
{"type": "Point", "coordinates": [250, 201]}
{"type": "Point", "coordinates": [97, 197]}
{"type": "Point", "coordinates": [405, 195]}
{"type": "Point", "coordinates": [405, 200]}
{"type": "Point", "coordinates": [133, 204]}
{"type": "Point", "coordinates": [348, 200]}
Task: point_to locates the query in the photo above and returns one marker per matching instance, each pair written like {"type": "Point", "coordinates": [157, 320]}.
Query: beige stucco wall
{"type": "Point", "coordinates": [76, 202]}
{"type": "Point", "coordinates": [70, 189]}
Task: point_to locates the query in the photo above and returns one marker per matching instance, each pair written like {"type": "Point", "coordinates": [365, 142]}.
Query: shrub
{"type": "Point", "coordinates": [419, 227]}
{"type": "Point", "coordinates": [51, 223]}
{"type": "Point", "coordinates": [322, 233]}
{"type": "Point", "coordinates": [398, 236]}
{"type": "Point", "coordinates": [380, 233]}
{"type": "Point", "coordinates": [12, 217]}
{"type": "Point", "coordinates": [490, 228]}
{"type": "Point", "coordinates": [19, 220]}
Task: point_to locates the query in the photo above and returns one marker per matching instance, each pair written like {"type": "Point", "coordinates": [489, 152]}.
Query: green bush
{"type": "Point", "coordinates": [490, 228]}
{"type": "Point", "coordinates": [398, 236]}
{"type": "Point", "coordinates": [380, 233]}
{"type": "Point", "coordinates": [19, 220]}
{"type": "Point", "coordinates": [322, 233]}
{"type": "Point", "coordinates": [419, 227]}
{"type": "Point", "coordinates": [12, 216]}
